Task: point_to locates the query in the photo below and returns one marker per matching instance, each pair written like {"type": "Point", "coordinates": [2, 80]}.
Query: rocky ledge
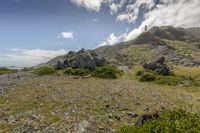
{"type": "Point", "coordinates": [81, 59]}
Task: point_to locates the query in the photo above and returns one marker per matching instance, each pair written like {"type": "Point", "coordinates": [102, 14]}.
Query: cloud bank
{"type": "Point", "coordinates": [178, 13]}
{"type": "Point", "coordinates": [24, 57]}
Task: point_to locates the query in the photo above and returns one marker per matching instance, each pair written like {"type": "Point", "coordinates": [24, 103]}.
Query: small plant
{"type": "Point", "coordinates": [169, 122]}
{"type": "Point", "coordinates": [147, 76]}
{"type": "Point", "coordinates": [45, 70]}
{"type": "Point", "coordinates": [7, 71]}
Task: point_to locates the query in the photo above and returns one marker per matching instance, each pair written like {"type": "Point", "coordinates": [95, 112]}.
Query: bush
{"type": "Point", "coordinates": [168, 80]}
{"type": "Point", "coordinates": [7, 71]}
{"type": "Point", "coordinates": [146, 77]}
{"type": "Point", "coordinates": [45, 70]}
{"type": "Point", "coordinates": [140, 73]}
{"type": "Point", "coordinates": [106, 72]}
{"type": "Point", "coordinates": [78, 71]}
{"type": "Point", "coordinates": [169, 122]}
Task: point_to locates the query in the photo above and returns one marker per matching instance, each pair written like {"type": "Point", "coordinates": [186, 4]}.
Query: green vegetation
{"type": "Point", "coordinates": [78, 71]}
{"type": "Point", "coordinates": [148, 76]}
{"type": "Point", "coordinates": [138, 53]}
{"type": "Point", "coordinates": [45, 70]}
{"type": "Point", "coordinates": [169, 122]}
{"type": "Point", "coordinates": [184, 48]}
{"type": "Point", "coordinates": [7, 71]}
{"type": "Point", "coordinates": [105, 72]}
{"type": "Point", "coordinates": [187, 78]}
{"type": "Point", "coordinates": [168, 80]}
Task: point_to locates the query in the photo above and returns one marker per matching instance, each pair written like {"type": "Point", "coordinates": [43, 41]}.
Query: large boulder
{"type": "Point", "coordinates": [159, 66]}
{"type": "Point", "coordinates": [81, 59]}
{"type": "Point", "coordinates": [59, 64]}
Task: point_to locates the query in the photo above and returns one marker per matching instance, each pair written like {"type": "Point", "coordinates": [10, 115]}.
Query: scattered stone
{"type": "Point", "coordinates": [11, 119]}
{"type": "Point", "coordinates": [132, 114]}
{"type": "Point", "coordinates": [107, 106]}
{"type": "Point", "coordinates": [82, 127]}
{"type": "Point", "coordinates": [118, 118]}
{"type": "Point", "coordinates": [137, 104]}
{"type": "Point", "coordinates": [110, 116]}
{"type": "Point", "coordinates": [101, 127]}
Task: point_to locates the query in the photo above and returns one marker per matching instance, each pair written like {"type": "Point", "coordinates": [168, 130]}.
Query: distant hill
{"type": "Point", "coordinates": [180, 46]}
{"type": "Point", "coordinates": [195, 31]}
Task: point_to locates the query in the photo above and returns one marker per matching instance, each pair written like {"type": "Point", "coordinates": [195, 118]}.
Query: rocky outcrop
{"type": "Point", "coordinates": [142, 119]}
{"type": "Point", "coordinates": [81, 59]}
{"type": "Point", "coordinates": [159, 66]}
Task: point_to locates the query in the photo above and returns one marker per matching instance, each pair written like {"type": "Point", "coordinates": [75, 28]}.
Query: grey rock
{"type": "Point", "coordinates": [59, 64]}
{"type": "Point", "coordinates": [11, 119]}
{"type": "Point", "coordinates": [83, 126]}
{"type": "Point", "coordinates": [132, 114]}
{"type": "Point", "coordinates": [142, 119]}
{"type": "Point", "coordinates": [81, 59]}
{"type": "Point", "coordinates": [158, 66]}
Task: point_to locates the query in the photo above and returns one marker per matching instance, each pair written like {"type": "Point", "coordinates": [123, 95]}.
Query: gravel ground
{"type": "Point", "coordinates": [10, 81]}
{"type": "Point", "coordinates": [63, 104]}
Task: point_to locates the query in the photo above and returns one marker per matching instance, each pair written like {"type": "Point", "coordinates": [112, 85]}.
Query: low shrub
{"type": "Point", "coordinates": [140, 73]}
{"type": "Point", "coordinates": [169, 122]}
{"type": "Point", "coordinates": [7, 71]}
{"type": "Point", "coordinates": [147, 76]}
{"type": "Point", "coordinates": [45, 70]}
{"type": "Point", "coordinates": [78, 71]}
{"type": "Point", "coordinates": [105, 72]}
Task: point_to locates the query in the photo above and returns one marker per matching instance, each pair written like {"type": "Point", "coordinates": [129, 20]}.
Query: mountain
{"type": "Point", "coordinates": [180, 46]}
{"type": "Point", "coordinates": [194, 31]}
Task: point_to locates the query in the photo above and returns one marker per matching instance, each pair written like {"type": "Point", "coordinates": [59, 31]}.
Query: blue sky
{"type": "Point", "coordinates": [34, 31]}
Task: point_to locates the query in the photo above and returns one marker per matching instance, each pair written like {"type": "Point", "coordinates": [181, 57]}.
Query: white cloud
{"type": "Point", "coordinates": [178, 13]}
{"type": "Point", "coordinates": [115, 7]}
{"type": "Point", "coordinates": [92, 5]}
{"type": "Point", "coordinates": [66, 35]}
{"type": "Point", "coordinates": [23, 57]}
{"type": "Point", "coordinates": [95, 20]}
{"type": "Point", "coordinates": [112, 39]}
{"type": "Point", "coordinates": [132, 10]}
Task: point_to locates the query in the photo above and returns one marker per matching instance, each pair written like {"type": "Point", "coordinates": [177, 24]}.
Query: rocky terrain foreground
{"type": "Point", "coordinates": [58, 103]}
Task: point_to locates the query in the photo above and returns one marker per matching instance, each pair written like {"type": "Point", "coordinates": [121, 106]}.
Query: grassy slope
{"type": "Point", "coordinates": [61, 102]}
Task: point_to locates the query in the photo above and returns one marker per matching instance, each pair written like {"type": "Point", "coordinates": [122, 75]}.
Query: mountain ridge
{"type": "Point", "coordinates": [180, 46]}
